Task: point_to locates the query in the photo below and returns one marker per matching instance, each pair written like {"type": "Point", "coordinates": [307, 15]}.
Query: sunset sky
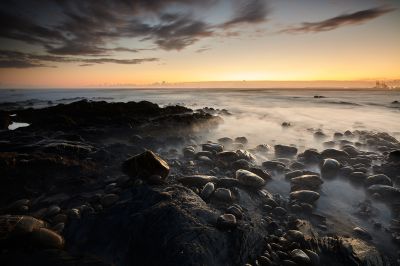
{"type": "Point", "coordinates": [78, 43]}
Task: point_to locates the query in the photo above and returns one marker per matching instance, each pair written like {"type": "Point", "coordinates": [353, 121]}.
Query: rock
{"type": "Point", "coordinates": [297, 166]}
{"type": "Point", "coordinates": [394, 156]}
{"type": "Point", "coordinates": [294, 236]}
{"type": "Point", "coordinates": [311, 156]}
{"type": "Point", "coordinates": [225, 141]}
{"type": "Point", "coordinates": [279, 211]}
{"type": "Point", "coordinates": [345, 171]}
{"type": "Point", "coordinates": [74, 213]}
{"type": "Point", "coordinates": [246, 155]}
{"type": "Point", "coordinates": [228, 156]}
{"type": "Point", "coordinates": [330, 167]}
{"type": "Point", "coordinates": [241, 164]}
{"type": "Point", "coordinates": [212, 147]}
{"type": "Point", "coordinates": [263, 148]}
{"type": "Point", "coordinates": [379, 179]}
{"type": "Point", "coordinates": [242, 140]}
{"type": "Point", "coordinates": [315, 261]}
{"type": "Point", "coordinates": [248, 178]}
{"type": "Point", "coordinates": [261, 173]}
{"type": "Point", "coordinates": [52, 210]}
{"type": "Point", "coordinates": [337, 135]}
{"type": "Point", "coordinates": [320, 135]}
{"type": "Point", "coordinates": [306, 182]}
{"type": "Point", "coordinates": [273, 165]}
{"type": "Point", "coordinates": [357, 177]}
{"type": "Point", "coordinates": [293, 174]}
{"type": "Point", "coordinates": [223, 194]}
{"type": "Point", "coordinates": [205, 160]}
{"type": "Point", "coordinates": [361, 232]}
{"type": "Point", "coordinates": [60, 218]}
{"type": "Point", "coordinates": [189, 151]}
{"type": "Point", "coordinates": [28, 231]}
{"type": "Point", "coordinates": [146, 164]}
{"type": "Point", "coordinates": [207, 190]}
{"type": "Point", "coordinates": [227, 182]}
{"type": "Point", "coordinates": [155, 180]}
{"type": "Point", "coordinates": [197, 180]}
{"type": "Point", "coordinates": [264, 261]}
{"type": "Point", "coordinates": [5, 120]}
{"type": "Point", "coordinates": [226, 221]}
{"type": "Point", "coordinates": [235, 210]}
{"type": "Point", "coordinates": [300, 257]}
{"type": "Point", "coordinates": [109, 199]}
{"type": "Point", "coordinates": [335, 154]}
{"type": "Point", "coordinates": [306, 196]}
{"type": "Point", "coordinates": [59, 227]}
{"type": "Point", "coordinates": [386, 192]}
{"type": "Point", "coordinates": [285, 151]}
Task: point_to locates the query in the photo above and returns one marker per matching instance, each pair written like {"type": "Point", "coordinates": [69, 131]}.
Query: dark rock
{"type": "Point", "coordinates": [207, 190]}
{"type": "Point", "coordinates": [223, 194]}
{"type": "Point", "coordinates": [225, 141]}
{"type": "Point", "coordinates": [293, 174]}
{"type": "Point", "coordinates": [261, 173]}
{"type": "Point", "coordinates": [361, 232]}
{"type": "Point", "coordinates": [279, 211]}
{"type": "Point", "coordinates": [242, 140]}
{"type": "Point", "coordinates": [285, 151]}
{"type": "Point", "coordinates": [320, 135]}
{"type": "Point", "coordinates": [379, 179]}
{"type": "Point", "coordinates": [306, 182]}
{"type": "Point", "coordinates": [335, 154]}
{"type": "Point", "coordinates": [263, 148]}
{"type": "Point", "coordinates": [226, 221]}
{"type": "Point", "coordinates": [300, 257]}
{"type": "Point", "coordinates": [146, 164]}
{"type": "Point", "coordinates": [311, 156]}
{"type": "Point", "coordinates": [273, 165]}
{"type": "Point", "coordinates": [109, 199]}
{"type": "Point", "coordinates": [248, 178]}
{"type": "Point", "coordinates": [386, 192]}
{"type": "Point", "coordinates": [306, 196]}
{"type": "Point", "coordinates": [227, 182]}
{"type": "Point", "coordinates": [197, 180]}
{"type": "Point", "coordinates": [235, 210]}
{"type": "Point", "coordinates": [212, 147]}
{"type": "Point", "coordinates": [394, 156]}
{"type": "Point", "coordinates": [241, 164]}
{"type": "Point", "coordinates": [358, 177]}
{"type": "Point", "coordinates": [330, 167]}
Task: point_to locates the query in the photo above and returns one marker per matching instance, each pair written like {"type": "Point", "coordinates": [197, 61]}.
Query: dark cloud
{"type": "Point", "coordinates": [14, 59]}
{"type": "Point", "coordinates": [76, 28]}
{"type": "Point", "coordinates": [248, 11]}
{"type": "Point", "coordinates": [339, 21]}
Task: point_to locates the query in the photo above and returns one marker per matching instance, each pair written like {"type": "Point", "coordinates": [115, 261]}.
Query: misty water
{"type": "Point", "coordinates": [258, 115]}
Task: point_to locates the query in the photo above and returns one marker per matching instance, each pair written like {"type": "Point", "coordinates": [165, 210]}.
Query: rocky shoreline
{"type": "Point", "coordinates": [97, 183]}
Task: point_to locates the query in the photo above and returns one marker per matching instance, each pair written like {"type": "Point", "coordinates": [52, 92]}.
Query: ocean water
{"type": "Point", "coordinates": [257, 114]}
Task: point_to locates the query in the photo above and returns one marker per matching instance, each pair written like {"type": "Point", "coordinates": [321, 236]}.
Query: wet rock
{"type": "Point", "coordinates": [300, 257]}
{"type": "Point", "coordinates": [306, 196]}
{"type": "Point", "coordinates": [379, 179]}
{"type": "Point", "coordinates": [357, 177]}
{"type": "Point", "coordinates": [386, 192]}
{"type": "Point", "coordinates": [242, 140]}
{"type": "Point", "coordinates": [279, 211]}
{"type": "Point", "coordinates": [146, 164]}
{"type": "Point", "coordinates": [260, 172]}
{"type": "Point", "coordinates": [109, 199]}
{"type": "Point", "coordinates": [223, 194]}
{"type": "Point", "coordinates": [241, 164]}
{"type": "Point", "coordinates": [263, 148]}
{"type": "Point", "coordinates": [225, 141]}
{"type": "Point", "coordinates": [337, 135]}
{"type": "Point", "coordinates": [227, 182]}
{"type": "Point", "coordinates": [52, 210]}
{"type": "Point", "coordinates": [205, 160]}
{"type": "Point", "coordinates": [297, 166]}
{"type": "Point", "coordinates": [226, 221]}
{"type": "Point", "coordinates": [330, 167]}
{"type": "Point", "coordinates": [189, 151]}
{"type": "Point", "coordinates": [228, 156]}
{"type": "Point", "coordinates": [285, 151]}
{"type": "Point", "coordinates": [235, 210]}
{"type": "Point", "coordinates": [315, 261]}
{"type": "Point", "coordinates": [394, 156]}
{"type": "Point", "coordinates": [311, 156]}
{"type": "Point", "coordinates": [273, 165]}
{"type": "Point", "coordinates": [293, 174]}
{"type": "Point", "coordinates": [294, 236]}
{"type": "Point", "coordinates": [361, 232]}
{"type": "Point", "coordinates": [197, 180]}
{"type": "Point", "coordinates": [212, 147]}
{"type": "Point", "coordinates": [207, 190]}
{"type": "Point", "coordinates": [248, 178]}
{"type": "Point", "coordinates": [346, 171]}
{"type": "Point", "coordinates": [335, 154]}
{"type": "Point", "coordinates": [264, 261]}
{"type": "Point", "coordinates": [246, 155]}
{"type": "Point", "coordinates": [306, 182]}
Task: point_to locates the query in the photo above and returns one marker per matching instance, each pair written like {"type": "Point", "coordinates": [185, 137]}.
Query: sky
{"type": "Point", "coordinates": [92, 43]}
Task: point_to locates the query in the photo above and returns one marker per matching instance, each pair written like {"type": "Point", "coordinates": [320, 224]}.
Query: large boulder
{"type": "Point", "coordinates": [164, 226]}
{"type": "Point", "coordinates": [249, 179]}
{"type": "Point", "coordinates": [146, 164]}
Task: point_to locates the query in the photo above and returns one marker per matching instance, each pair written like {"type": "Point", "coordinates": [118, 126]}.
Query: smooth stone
{"type": "Point", "coordinates": [260, 172]}
{"type": "Point", "coordinates": [330, 167]}
{"type": "Point", "coordinates": [315, 261]}
{"type": "Point", "coordinates": [386, 192]}
{"type": "Point", "coordinates": [207, 190]}
{"type": "Point", "coordinates": [334, 153]}
{"type": "Point", "coordinates": [59, 227]}
{"type": "Point", "coordinates": [52, 210]}
{"type": "Point", "coordinates": [241, 164]}
{"type": "Point", "coordinates": [226, 221]}
{"type": "Point", "coordinates": [47, 238]}
{"type": "Point", "coordinates": [228, 156]}
{"type": "Point", "coordinates": [306, 182]}
{"type": "Point", "coordinates": [279, 211]}
{"type": "Point", "coordinates": [223, 194]}
{"type": "Point", "coordinates": [361, 232]}
{"type": "Point", "coordinates": [212, 147]}
{"type": "Point", "coordinates": [306, 196]}
{"type": "Point", "coordinates": [227, 182]}
{"type": "Point", "coordinates": [235, 211]}
{"type": "Point", "coordinates": [242, 140]}
{"type": "Point", "coordinates": [311, 156]}
{"type": "Point", "coordinates": [379, 179]}
{"type": "Point", "coordinates": [293, 174]}
{"type": "Point", "coordinates": [188, 151]}
{"type": "Point", "coordinates": [358, 177]}
{"type": "Point", "coordinates": [294, 236]}
{"type": "Point", "coordinates": [146, 164]}
{"type": "Point", "coordinates": [225, 141]}
{"type": "Point", "coordinates": [248, 178]}
{"type": "Point", "coordinates": [285, 151]}
{"type": "Point", "coordinates": [109, 199]}
{"type": "Point", "coordinates": [273, 165]}
{"type": "Point", "coordinates": [300, 257]}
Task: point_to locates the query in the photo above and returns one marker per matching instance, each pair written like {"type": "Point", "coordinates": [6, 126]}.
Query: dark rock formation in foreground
{"type": "Point", "coordinates": [96, 183]}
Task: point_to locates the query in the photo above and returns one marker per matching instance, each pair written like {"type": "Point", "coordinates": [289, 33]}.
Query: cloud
{"type": "Point", "coordinates": [248, 11]}
{"type": "Point", "coordinates": [339, 21]}
{"type": "Point", "coordinates": [15, 59]}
